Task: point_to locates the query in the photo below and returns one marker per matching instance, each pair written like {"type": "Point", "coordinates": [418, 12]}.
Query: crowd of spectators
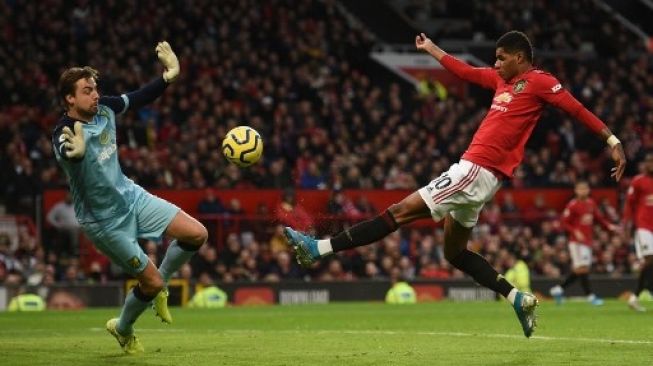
{"type": "Point", "coordinates": [297, 71]}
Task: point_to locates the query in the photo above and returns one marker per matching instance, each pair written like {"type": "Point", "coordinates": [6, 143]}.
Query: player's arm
{"type": "Point", "coordinates": [630, 206]}
{"type": "Point", "coordinates": [551, 91]}
{"type": "Point", "coordinates": [603, 221]}
{"type": "Point", "coordinates": [150, 91]}
{"type": "Point", "coordinates": [483, 76]}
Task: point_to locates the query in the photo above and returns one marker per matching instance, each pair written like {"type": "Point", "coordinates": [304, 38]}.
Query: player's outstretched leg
{"type": "Point", "coordinates": [130, 343]}
{"type": "Point", "coordinates": [308, 249]}
{"type": "Point", "coordinates": [304, 245]}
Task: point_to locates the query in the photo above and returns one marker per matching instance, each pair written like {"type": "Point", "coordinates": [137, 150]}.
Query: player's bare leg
{"type": "Point", "coordinates": [189, 236]}
{"type": "Point", "coordinates": [456, 237]}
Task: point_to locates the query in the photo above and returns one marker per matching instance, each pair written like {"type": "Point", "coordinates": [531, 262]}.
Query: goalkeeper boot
{"type": "Point", "coordinates": [304, 245]}
{"type": "Point", "coordinates": [160, 306]}
{"type": "Point", "coordinates": [130, 344]}
{"type": "Point", "coordinates": [524, 306]}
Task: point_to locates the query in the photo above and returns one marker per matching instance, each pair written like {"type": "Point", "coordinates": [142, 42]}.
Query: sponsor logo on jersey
{"type": "Point", "coordinates": [556, 88]}
{"type": "Point", "coordinates": [106, 153]}
{"type": "Point", "coordinates": [503, 98]}
{"type": "Point", "coordinates": [587, 219]}
{"type": "Point", "coordinates": [519, 86]}
{"type": "Point", "coordinates": [649, 200]}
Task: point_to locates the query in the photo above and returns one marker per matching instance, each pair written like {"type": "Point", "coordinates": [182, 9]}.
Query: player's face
{"type": "Point", "coordinates": [85, 100]}
{"type": "Point", "coordinates": [648, 163]}
{"type": "Point", "coordinates": [506, 64]}
{"type": "Point", "coordinates": [582, 190]}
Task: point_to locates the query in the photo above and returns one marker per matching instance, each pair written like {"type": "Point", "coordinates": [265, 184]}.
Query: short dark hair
{"type": "Point", "coordinates": [515, 41]}
{"type": "Point", "coordinates": [68, 79]}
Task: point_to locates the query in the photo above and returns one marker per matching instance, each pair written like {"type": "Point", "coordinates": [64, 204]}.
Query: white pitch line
{"type": "Point", "coordinates": [454, 334]}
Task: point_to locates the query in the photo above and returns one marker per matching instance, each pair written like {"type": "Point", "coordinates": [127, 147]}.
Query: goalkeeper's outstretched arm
{"type": "Point", "coordinates": [150, 91]}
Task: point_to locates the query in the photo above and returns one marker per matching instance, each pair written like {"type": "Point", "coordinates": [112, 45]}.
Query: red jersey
{"type": "Point", "coordinates": [579, 216]}
{"type": "Point", "coordinates": [639, 202]}
{"type": "Point", "coordinates": [499, 142]}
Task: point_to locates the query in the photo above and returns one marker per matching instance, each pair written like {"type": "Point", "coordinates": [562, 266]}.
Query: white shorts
{"type": "Point", "coordinates": [643, 243]}
{"type": "Point", "coordinates": [460, 191]}
{"type": "Point", "coordinates": [581, 255]}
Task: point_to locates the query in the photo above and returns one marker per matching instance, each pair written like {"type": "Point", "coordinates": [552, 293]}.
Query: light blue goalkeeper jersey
{"type": "Point", "coordinates": [99, 188]}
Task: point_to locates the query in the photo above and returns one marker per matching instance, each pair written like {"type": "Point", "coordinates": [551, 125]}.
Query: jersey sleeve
{"type": "Point", "coordinates": [550, 90]}
{"type": "Point", "coordinates": [58, 140]}
{"type": "Point", "coordinates": [483, 76]}
{"type": "Point", "coordinates": [598, 216]}
{"type": "Point", "coordinates": [135, 99]}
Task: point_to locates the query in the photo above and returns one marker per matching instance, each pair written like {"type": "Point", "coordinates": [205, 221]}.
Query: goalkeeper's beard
{"type": "Point", "coordinates": [87, 114]}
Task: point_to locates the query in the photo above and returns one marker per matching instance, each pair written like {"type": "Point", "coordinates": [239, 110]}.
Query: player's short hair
{"type": "Point", "coordinates": [581, 181]}
{"type": "Point", "coordinates": [516, 41]}
{"type": "Point", "coordinates": [68, 79]}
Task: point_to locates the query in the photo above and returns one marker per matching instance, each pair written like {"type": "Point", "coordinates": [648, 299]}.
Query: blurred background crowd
{"type": "Point", "coordinates": [300, 73]}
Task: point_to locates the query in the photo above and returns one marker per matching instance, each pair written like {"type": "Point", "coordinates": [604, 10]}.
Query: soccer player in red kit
{"type": "Point", "coordinates": [458, 195]}
{"type": "Point", "coordinates": [578, 220]}
{"type": "Point", "coordinates": [639, 210]}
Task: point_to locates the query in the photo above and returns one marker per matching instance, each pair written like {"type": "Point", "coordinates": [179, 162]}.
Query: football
{"type": "Point", "coordinates": [242, 146]}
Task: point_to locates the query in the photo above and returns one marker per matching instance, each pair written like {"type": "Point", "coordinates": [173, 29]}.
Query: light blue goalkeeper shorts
{"type": "Point", "coordinates": [117, 237]}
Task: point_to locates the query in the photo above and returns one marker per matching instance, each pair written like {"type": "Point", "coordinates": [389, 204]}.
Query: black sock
{"type": "Point", "coordinates": [645, 280]}
{"type": "Point", "coordinates": [585, 283]}
{"type": "Point", "coordinates": [365, 232]}
{"type": "Point", "coordinates": [570, 279]}
{"type": "Point", "coordinates": [482, 272]}
{"type": "Point", "coordinates": [142, 296]}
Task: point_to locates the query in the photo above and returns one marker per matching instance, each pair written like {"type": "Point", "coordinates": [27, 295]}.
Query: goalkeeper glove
{"type": "Point", "coordinates": [169, 61]}
{"type": "Point", "coordinates": [74, 143]}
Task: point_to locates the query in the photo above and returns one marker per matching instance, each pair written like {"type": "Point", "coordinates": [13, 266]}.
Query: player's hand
{"type": "Point", "coordinates": [169, 61]}
{"type": "Point", "coordinates": [74, 141]}
{"type": "Point", "coordinates": [579, 235]}
{"type": "Point", "coordinates": [422, 42]}
{"type": "Point", "coordinates": [619, 159]}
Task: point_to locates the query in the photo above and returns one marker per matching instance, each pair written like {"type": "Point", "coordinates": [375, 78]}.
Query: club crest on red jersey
{"type": "Point", "coordinates": [519, 86]}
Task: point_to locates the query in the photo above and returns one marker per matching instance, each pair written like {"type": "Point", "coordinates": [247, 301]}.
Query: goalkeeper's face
{"type": "Point", "coordinates": [86, 97]}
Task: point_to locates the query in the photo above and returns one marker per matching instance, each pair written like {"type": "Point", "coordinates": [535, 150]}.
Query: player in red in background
{"type": "Point", "coordinates": [578, 220]}
{"type": "Point", "coordinates": [639, 210]}
{"type": "Point", "coordinates": [458, 195]}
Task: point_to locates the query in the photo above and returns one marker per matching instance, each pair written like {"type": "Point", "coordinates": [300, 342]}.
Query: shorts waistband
{"type": "Point", "coordinates": [499, 175]}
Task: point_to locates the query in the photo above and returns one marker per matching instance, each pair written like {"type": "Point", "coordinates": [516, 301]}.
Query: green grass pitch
{"type": "Point", "coordinates": [445, 333]}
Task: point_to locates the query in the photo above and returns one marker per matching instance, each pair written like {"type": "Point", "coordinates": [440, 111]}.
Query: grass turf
{"type": "Point", "coordinates": [444, 333]}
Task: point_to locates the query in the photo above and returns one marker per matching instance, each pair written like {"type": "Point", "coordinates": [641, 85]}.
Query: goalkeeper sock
{"type": "Point", "coordinates": [135, 303]}
{"type": "Point", "coordinates": [365, 232]}
{"type": "Point", "coordinates": [177, 254]}
{"type": "Point", "coordinates": [482, 272]}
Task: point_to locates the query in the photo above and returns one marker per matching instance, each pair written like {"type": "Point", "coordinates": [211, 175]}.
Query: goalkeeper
{"type": "Point", "coordinates": [112, 210]}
